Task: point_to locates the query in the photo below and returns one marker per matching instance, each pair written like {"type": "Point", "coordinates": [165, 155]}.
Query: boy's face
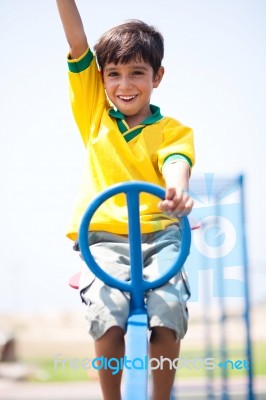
{"type": "Point", "coordinates": [129, 87]}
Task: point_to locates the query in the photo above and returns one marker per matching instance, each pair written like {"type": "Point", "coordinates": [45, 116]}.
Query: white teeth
{"type": "Point", "coordinates": [126, 97]}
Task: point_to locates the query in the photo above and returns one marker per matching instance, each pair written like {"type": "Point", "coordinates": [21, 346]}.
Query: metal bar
{"type": "Point", "coordinates": [136, 263]}
{"type": "Point", "coordinates": [250, 395]}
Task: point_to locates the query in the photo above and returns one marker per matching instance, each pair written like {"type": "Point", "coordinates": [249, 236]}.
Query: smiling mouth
{"type": "Point", "coordinates": [127, 98]}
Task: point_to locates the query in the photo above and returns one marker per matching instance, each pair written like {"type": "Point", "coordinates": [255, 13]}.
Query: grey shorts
{"type": "Point", "coordinates": [108, 307]}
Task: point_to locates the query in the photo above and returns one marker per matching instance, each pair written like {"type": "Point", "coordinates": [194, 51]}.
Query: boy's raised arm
{"type": "Point", "coordinates": [73, 27]}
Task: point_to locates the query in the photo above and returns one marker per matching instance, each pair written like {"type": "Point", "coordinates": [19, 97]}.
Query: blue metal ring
{"type": "Point", "coordinates": [132, 190]}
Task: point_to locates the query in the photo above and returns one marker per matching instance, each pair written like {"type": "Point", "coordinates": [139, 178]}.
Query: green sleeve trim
{"type": "Point", "coordinates": [81, 63]}
{"type": "Point", "coordinates": [177, 157]}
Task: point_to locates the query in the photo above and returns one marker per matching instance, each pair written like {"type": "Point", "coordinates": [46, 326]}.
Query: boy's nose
{"type": "Point", "coordinates": [124, 82]}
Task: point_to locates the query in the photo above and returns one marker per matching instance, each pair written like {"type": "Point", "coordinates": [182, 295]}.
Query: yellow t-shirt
{"type": "Point", "coordinates": [117, 153]}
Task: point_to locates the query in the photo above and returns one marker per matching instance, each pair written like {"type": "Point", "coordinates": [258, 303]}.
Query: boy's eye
{"type": "Point", "coordinates": [137, 73]}
{"type": "Point", "coordinates": [113, 74]}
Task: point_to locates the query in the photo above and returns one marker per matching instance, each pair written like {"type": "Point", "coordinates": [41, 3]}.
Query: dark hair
{"type": "Point", "coordinates": [133, 40]}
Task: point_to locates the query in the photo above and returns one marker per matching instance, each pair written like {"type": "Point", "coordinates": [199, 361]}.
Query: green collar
{"type": "Point", "coordinates": [151, 119]}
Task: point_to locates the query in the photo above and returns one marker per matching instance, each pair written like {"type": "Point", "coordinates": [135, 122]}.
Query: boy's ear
{"type": "Point", "coordinates": [158, 77]}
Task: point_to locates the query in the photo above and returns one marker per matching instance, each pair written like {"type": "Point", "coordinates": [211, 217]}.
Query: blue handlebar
{"type": "Point", "coordinates": [137, 286]}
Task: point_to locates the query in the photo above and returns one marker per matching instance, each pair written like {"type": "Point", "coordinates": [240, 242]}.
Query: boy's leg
{"type": "Point", "coordinates": [111, 345]}
{"type": "Point", "coordinates": [163, 344]}
{"type": "Point", "coordinates": [108, 308]}
{"type": "Point", "coordinates": [167, 310]}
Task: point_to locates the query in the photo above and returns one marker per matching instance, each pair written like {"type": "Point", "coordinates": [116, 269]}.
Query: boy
{"type": "Point", "coordinates": [127, 138]}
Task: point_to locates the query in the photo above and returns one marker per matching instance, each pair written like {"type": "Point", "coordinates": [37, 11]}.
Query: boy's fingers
{"type": "Point", "coordinates": [177, 202]}
{"type": "Point", "coordinates": [165, 205]}
{"type": "Point", "coordinates": [179, 209]}
{"type": "Point", "coordinates": [170, 193]}
{"type": "Point", "coordinates": [186, 209]}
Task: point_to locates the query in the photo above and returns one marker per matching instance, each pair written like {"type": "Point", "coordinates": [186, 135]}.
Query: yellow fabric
{"type": "Point", "coordinates": [111, 159]}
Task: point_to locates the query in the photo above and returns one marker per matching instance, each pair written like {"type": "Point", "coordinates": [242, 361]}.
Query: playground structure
{"type": "Point", "coordinates": [219, 246]}
{"type": "Point", "coordinates": [219, 277]}
{"type": "Point", "coordinates": [136, 337]}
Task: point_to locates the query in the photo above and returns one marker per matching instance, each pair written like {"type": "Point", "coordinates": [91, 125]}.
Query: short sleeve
{"type": "Point", "coordinates": [177, 139]}
{"type": "Point", "coordinates": [87, 93]}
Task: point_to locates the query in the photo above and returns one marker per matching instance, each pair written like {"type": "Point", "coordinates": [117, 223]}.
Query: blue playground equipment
{"type": "Point", "coordinates": [218, 248]}
{"type": "Point", "coordinates": [136, 337]}
{"type": "Point", "coordinates": [219, 208]}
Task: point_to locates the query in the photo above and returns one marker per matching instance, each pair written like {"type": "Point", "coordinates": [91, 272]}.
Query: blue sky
{"type": "Point", "coordinates": [215, 82]}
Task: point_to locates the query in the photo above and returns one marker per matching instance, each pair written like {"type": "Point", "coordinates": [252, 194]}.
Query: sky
{"type": "Point", "coordinates": [215, 82]}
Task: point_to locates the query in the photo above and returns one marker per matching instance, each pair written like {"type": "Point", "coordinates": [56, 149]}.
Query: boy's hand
{"type": "Point", "coordinates": [177, 202]}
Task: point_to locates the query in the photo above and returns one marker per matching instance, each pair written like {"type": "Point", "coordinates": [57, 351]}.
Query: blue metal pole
{"type": "Point", "coordinates": [136, 376]}
{"type": "Point", "coordinates": [250, 395]}
{"type": "Point", "coordinates": [136, 262]}
{"type": "Point", "coordinates": [223, 317]}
